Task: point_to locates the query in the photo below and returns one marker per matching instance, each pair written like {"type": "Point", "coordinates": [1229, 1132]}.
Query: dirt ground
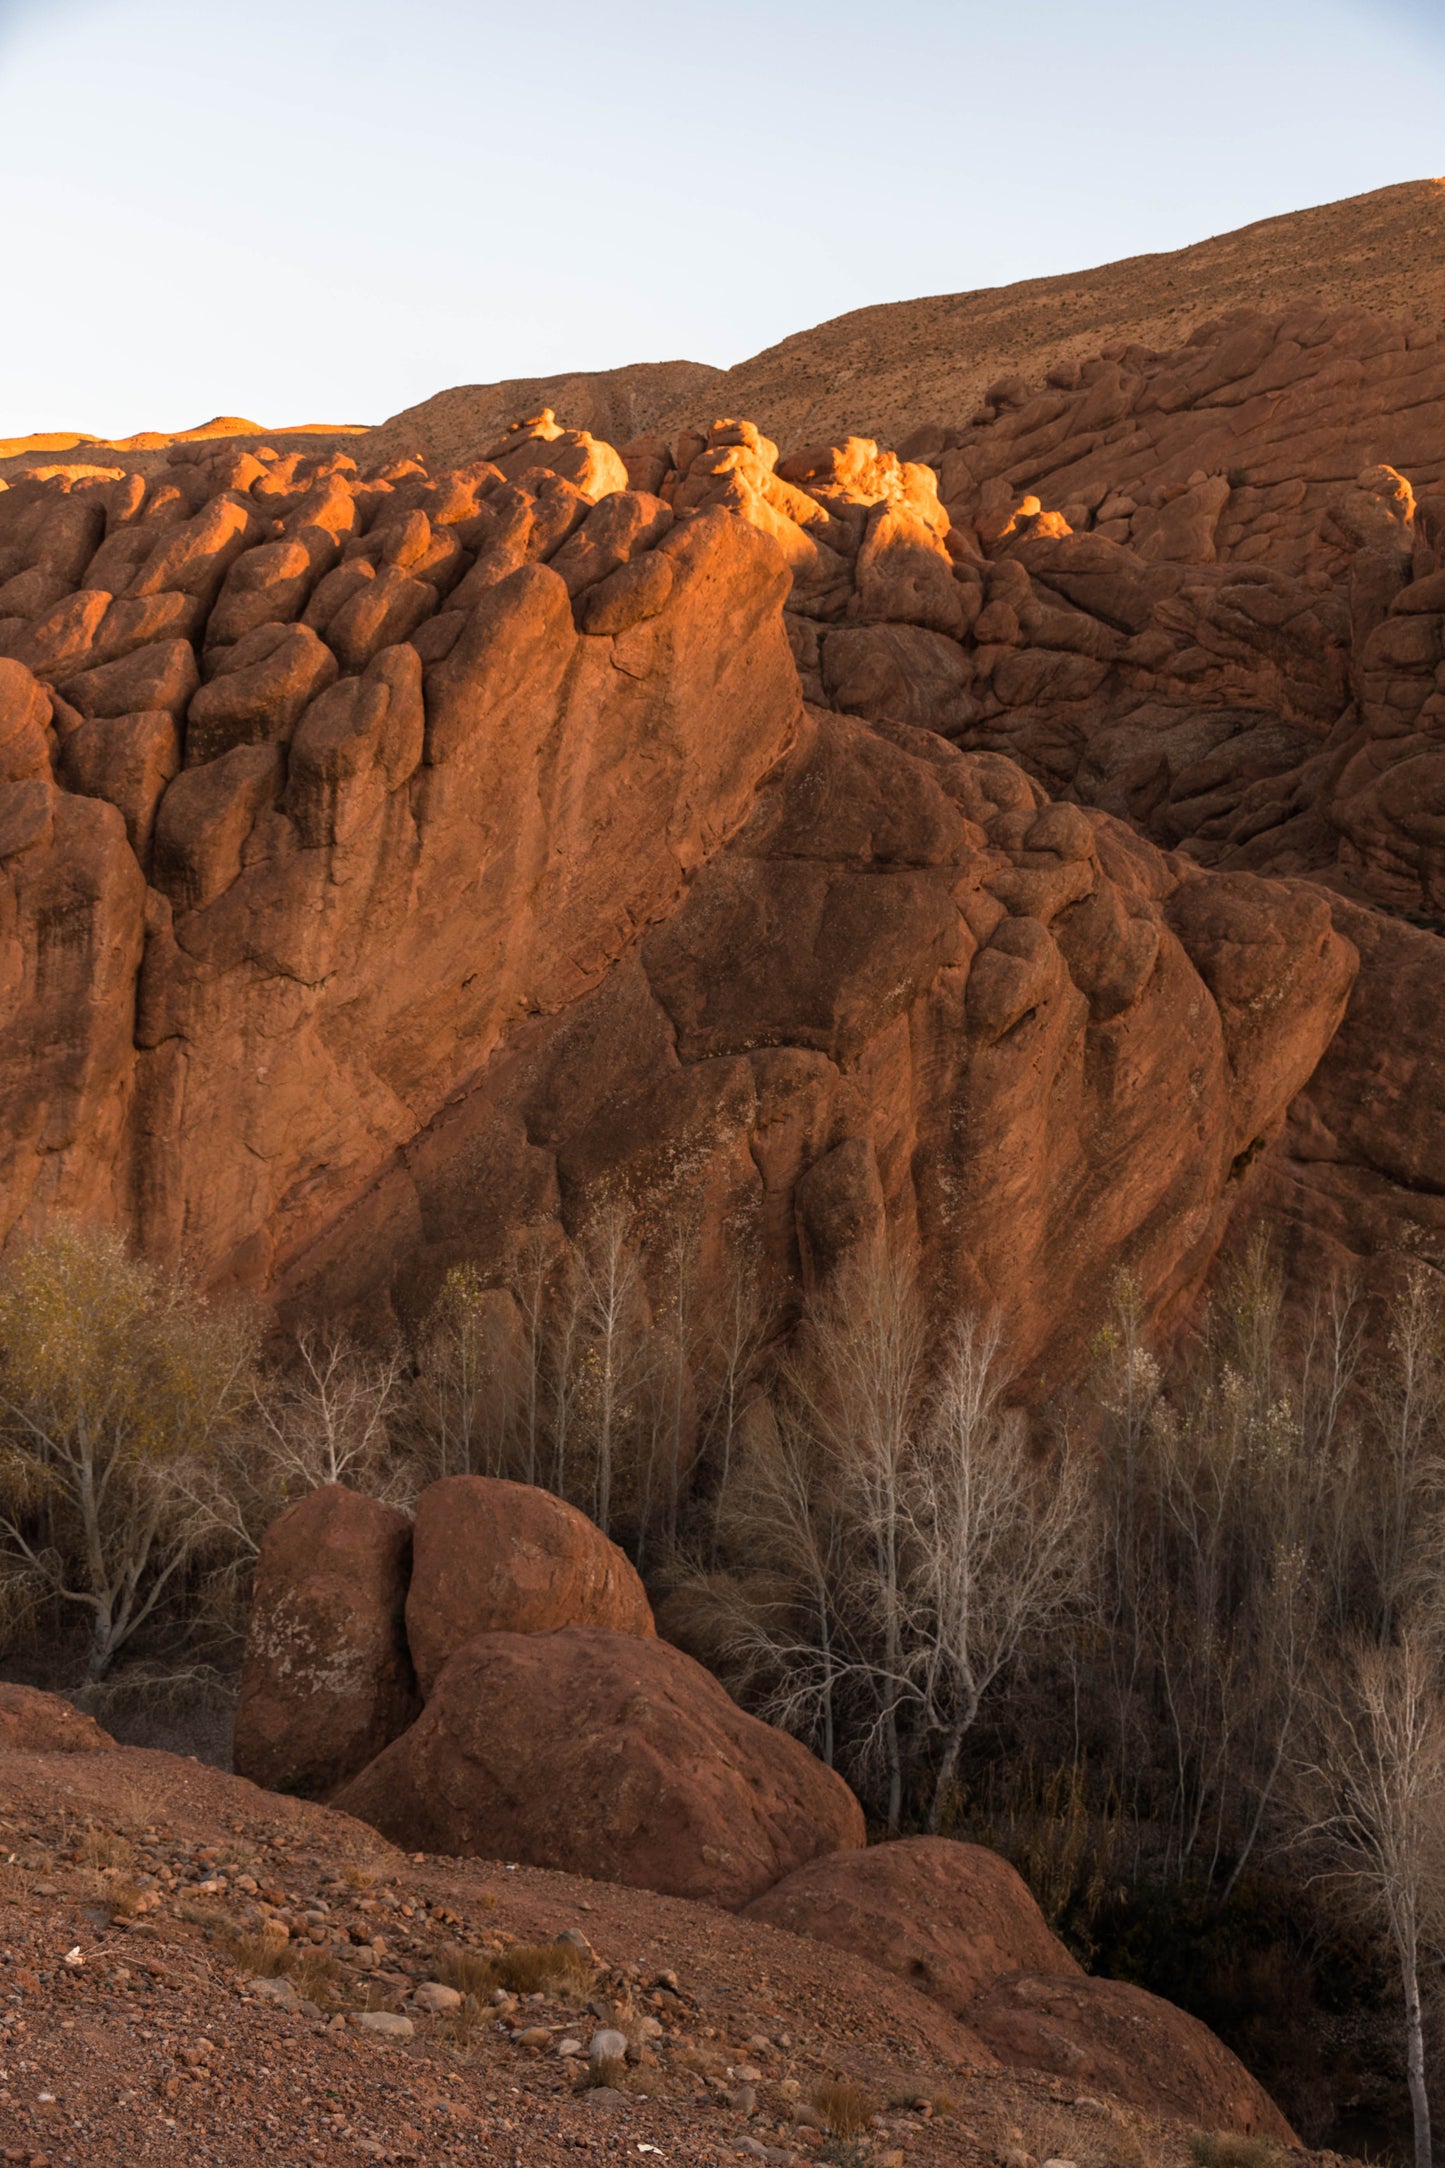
{"type": "Point", "coordinates": [191, 1971]}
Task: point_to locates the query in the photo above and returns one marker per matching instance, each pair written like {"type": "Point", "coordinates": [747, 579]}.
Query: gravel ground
{"type": "Point", "coordinates": [195, 1971]}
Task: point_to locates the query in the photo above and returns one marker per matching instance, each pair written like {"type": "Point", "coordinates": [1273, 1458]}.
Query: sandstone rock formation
{"type": "Point", "coordinates": [439, 856]}
{"type": "Point", "coordinates": [950, 1919]}
{"type": "Point", "coordinates": [495, 1557]}
{"type": "Point", "coordinates": [956, 1922]}
{"type": "Point", "coordinates": [327, 1681]}
{"type": "Point", "coordinates": [36, 1723]}
{"type": "Point", "coordinates": [607, 1755]}
{"type": "Point", "coordinates": [1111, 2036]}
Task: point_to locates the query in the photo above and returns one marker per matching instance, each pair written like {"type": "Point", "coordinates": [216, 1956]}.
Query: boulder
{"type": "Point", "coordinates": [950, 1919]}
{"type": "Point", "coordinates": [36, 1723]}
{"type": "Point", "coordinates": [326, 1681]}
{"type": "Point", "coordinates": [607, 1755]}
{"type": "Point", "coordinates": [1109, 2036]}
{"type": "Point", "coordinates": [497, 1557]}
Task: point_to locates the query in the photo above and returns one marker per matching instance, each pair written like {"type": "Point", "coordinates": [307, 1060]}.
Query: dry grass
{"type": "Point", "coordinates": [256, 1954]}
{"type": "Point", "coordinates": [124, 1899]}
{"type": "Point", "coordinates": [1226, 2149]}
{"type": "Point", "coordinates": [457, 2028]}
{"type": "Point", "coordinates": [470, 1972]}
{"type": "Point", "coordinates": [531, 1968]}
{"type": "Point", "coordinates": [315, 1977]}
{"type": "Point", "coordinates": [101, 1848]}
{"type": "Point", "coordinates": [847, 2110]}
{"type": "Point", "coordinates": [943, 2104]}
{"type": "Point", "coordinates": [607, 2070]}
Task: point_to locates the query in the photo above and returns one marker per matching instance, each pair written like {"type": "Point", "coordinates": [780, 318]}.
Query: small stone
{"type": "Point", "coordinates": [568, 2047]}
{"type": "Point", "coordinates": [532, 2036]}
{"type": "Point", "coordinates": [432, 1996]}
{"type": "Point", "coordinates": [386, 2024]}
{"type": "Point", "coordinates": [741, 2099]}
{"type": "Point", "coordinates": [280, 1991]}
{"type": "Point", "coordinates": [574, 1938]}
{"type": "Point", "coordinates": [748, 2074]}
{"type": "Point", "coordinates": [607, 2046]}
{"type": "Point", "coordinates": [604, 2096]}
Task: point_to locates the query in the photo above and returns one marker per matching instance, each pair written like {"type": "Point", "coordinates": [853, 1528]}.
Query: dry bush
{"type": "Point", "coordinates": [101, 1848]}
{"type": "Point", "coordinates": [458, 2026]}
{"type": "Point", "coordinates": [124, 1899]}
{"type": "Point", "coordinates": [847, 2109]}
{"type": "Point", "coordinates": [470, 1972]}
{"type": "Point", "coordinates": [531, 1968]}
{"type": "Point", "coordinates": [607, 2070]}
{"type": "Point", "coordinates": [256, 1954]}
{"type": "Point", "coordinates": [360, 1878]}
{"type": "Point", "coordinates": [315, 1977]}
{"type": "Point", "coordinates": [1228, 2149]}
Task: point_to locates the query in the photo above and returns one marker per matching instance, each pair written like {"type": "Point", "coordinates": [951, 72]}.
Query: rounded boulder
{"type": "Point", "coordinates": [609, 1755]}
{"type": "Point", "coordinates": [948, 1918]}
{"type": "Point", "coordinates": [1112, 2037]}
{"type": "Point", "coordinates": [326, 1681]}
{"type": "Point", "coordinates": [496, 1557]}
{"type": "Point", "coordinates": [35, 1723]}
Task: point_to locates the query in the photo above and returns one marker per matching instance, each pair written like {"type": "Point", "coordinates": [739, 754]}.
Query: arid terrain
{"type": "Point", "coordinates": [962, 792]}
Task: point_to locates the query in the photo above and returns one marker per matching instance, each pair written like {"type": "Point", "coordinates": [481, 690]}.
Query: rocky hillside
{"type": "Point", "coordinates": [880, 371]}
{"type": "Point", "coordinates": [982, 844]}
{"type": "Point", "coordinates": [484, 1684]}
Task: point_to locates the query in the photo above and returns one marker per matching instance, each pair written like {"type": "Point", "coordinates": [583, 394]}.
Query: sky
{"type": "Point", "coordinates": [327, 210]}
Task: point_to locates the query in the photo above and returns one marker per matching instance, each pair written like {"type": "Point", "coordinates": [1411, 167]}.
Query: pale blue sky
{"type": "Point", "coordinates": [328, 209]}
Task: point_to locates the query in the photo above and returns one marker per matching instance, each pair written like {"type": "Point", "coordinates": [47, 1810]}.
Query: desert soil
{"type": "Point", "coordinates": [134, 1891]}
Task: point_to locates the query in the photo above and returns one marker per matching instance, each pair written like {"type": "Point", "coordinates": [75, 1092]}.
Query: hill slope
{"type": "Point", "coordinates": [881, 371]}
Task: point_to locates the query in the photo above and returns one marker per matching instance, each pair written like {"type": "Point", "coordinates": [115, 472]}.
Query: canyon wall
{"type": "Point", "coordinates": [979, 845]}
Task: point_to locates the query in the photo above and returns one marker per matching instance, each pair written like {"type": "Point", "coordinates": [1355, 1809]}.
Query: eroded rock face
{"type": "Point", "coordinates": [398, 862]}
{"type": "Point", "coordinates": [490, 1556]}
{"type": "Point", "coordinates": [1200, 589]}
{"type": "Point", "coordinates": [1119, 2038]}
{"type": "Point", "coordinates": [326, 1681]}
{"type": "Point", "coordinates": [414, 805]}
{"type": "Point", "coordinates": [608, 1755]}
{"type": "Point", "coordinates": [911, 993]}
{"type": "Point", "coordinates": [36, 1723]}
{"type": "Point", "coordinates": [950, 1919]}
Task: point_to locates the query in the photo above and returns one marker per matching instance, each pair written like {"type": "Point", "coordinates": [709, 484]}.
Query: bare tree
{"type": "Point", "coordinates": [118, 1383]}
{"type": "Point", "coordinates": [1372, 1799]}
{"type": "Point", "coordinates": [470, 1395]}
{"type": "Point", "coordinates": [326, 1418]}
{"type": "Point", "coordinates": [858, 1380]}
{"type": "Point", "coordinates": [999, 1546]}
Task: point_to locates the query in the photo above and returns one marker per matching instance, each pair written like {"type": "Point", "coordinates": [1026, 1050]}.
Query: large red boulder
{"type": "Point", "coordinates": [608, 1755]}
{"type": "Point", "coordinates": [326, 1681]}
{"type": "Point", "coordinates": [948, 1918]}
{"type": "Point", "coordinates": [36, 1723]}
{"type": "Point", "coordinates": [497, 1557]}
{"type": "Point", "coordinates": [1109, 2036]}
